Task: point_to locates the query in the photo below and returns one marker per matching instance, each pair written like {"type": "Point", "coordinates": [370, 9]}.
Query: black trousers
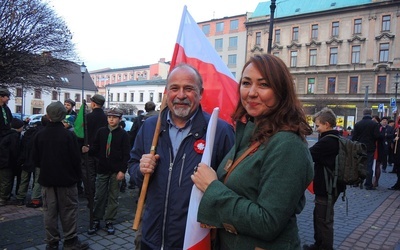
{"type": "Point", "coordinates": [323, 228]}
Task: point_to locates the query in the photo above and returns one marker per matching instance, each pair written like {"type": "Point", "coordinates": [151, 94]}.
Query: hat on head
{"type": "Point", "coordinates": [16, 123]}
{"type": "Point", "coordinates": [4, 92]}
{"type": "Point", "coordinates": [70, 101]}
{"type": "Point", "coordinates": [114, 112]}
{"type": "Point", "coordinates": [56, 111]}
{"type": "Point", "coordinates": [367, 111]}
{"type": "Point", "coordinates": [98, 99]}
{"type": "Point", "coordinates": [70, 119]}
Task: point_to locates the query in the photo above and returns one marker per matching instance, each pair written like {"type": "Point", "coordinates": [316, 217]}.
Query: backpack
{"type": "Point", "coordinates": [350, 167]}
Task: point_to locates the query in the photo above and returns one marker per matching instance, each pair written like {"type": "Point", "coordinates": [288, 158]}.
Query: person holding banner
{"type": "Point", "coordinates": [179, 149]}
{"type": "Point", "coordinates": [258, 189]}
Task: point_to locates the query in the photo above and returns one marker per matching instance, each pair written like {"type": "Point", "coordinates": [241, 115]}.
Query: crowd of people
{"type": "Point", "coordinates": [265, 148]}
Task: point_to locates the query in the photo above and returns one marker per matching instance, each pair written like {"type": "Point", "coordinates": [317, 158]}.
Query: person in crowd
{"type": "Point", "coordinates": [396, 155]}
{"type": "Point", "coordinates": [5, 112]}
{"type": "Point", "coordinates": [9, 161]}
{"type": "Point", "coordinates": [386, 135]}
{"type": "Point", "coordinates": [150, 108]}
{"type": "Point", "coordinates": [94, 120]}
{"type": "Point", "coordinates": [391, 146]}
{"type": "Point", "coordinates": [137, 123]}
{"type": "Point", "coordinates": [183, 131]}
{"type": "Point", "coordinates": [69, 106]}
{"type": "Point", "coordinates": [367, 131]}
{"type": "Point", "coordinates": [111, 147]}
{"type": "Point", "coordinates": [258, 190]}
{"type": "Point", "coordinates": [36, 195]}
{"type": "Point", "coordinates": [56, 153]}
{"type": "Point", "coordinates": [324, 153]}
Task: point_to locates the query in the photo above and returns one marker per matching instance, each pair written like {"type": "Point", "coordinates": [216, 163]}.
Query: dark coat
{"type": "Point", "coordinates": [95, 120]}
{"type": "Point", "coordinates": [56, 153]}
{"type": "Point", "coordinates": [366, 131]}
{"type": "Point", "coordinates": [9, 149]}
{"type": "Point", "coordinates": [385, 139]}
{"type": "Point", "coordinates": [119, 154]}
{"type": "Point", "coordinates": [324, 153]}
{"type": "Point", "coordinates": [164, 217]}
{"type": "Point", "coordinates": [3, 126]}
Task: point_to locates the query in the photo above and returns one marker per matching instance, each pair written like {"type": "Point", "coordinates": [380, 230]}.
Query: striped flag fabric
{"type": "Point", "coordinates": [220, 87]}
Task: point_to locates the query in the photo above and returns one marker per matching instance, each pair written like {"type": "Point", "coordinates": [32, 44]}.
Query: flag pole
{"type": "Point", "coordinates": [143, 192]}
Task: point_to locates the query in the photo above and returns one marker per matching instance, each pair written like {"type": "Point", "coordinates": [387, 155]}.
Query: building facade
{"type": "Point", "coordinates": [342, 54]}
{"type": "Point", "coordinates": [228, 36]}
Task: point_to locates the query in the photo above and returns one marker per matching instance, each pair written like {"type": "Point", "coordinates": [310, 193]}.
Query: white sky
{"type": "Point", "coordinates": [126, 33]}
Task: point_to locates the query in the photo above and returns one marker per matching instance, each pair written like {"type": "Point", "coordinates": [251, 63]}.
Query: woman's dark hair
{"type": "Point", "coordinates": [287, 114]}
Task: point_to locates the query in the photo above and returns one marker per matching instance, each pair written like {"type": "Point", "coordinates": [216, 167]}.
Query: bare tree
{"type": "Point", "coordinates": [35, 44]}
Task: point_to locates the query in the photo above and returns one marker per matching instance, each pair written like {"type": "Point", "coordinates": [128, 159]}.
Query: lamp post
{"type": "Point", "coordinates": [59, 93]}
{"type": "Point", "coordinates": [83, 71]}
{"type": "Point", "coordinates": [396, 77]}
{"type": "Point", "coordinates": [108, 96]}
{"type": "Point", "coordinates": [271, 25]}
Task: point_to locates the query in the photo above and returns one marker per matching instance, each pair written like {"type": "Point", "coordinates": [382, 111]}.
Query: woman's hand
{"type": "Point", "coordinates": [203, 176]}
{"type": "Point", "coordinates": [148, 163]}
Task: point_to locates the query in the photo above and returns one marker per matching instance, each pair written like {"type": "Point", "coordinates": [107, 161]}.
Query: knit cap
{"type": "Point", "coordinates": [16, 123]}
{"type": "Point", "coordinates": [56, 111]}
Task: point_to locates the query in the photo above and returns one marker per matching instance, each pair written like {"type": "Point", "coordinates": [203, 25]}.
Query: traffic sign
{"type": "Point", "coordinates": [380, 107]}
{"type": "Point", "coordinates": [392, 102]}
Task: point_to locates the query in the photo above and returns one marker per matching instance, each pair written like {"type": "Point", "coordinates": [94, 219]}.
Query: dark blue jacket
{"type": "Point", "coordinates": [167, 200]}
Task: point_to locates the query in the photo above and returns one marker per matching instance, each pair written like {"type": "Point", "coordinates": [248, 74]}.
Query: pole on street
{"type": "Point", "coordinates": [271, 25]}
{"type": "Point", "coordinates": [83, 71]}
{"type": "Point", "coordinates": [366, 97]}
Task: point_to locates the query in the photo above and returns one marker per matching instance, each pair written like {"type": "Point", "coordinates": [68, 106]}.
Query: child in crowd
{"type": "Point", "coordinates": [111, 146]}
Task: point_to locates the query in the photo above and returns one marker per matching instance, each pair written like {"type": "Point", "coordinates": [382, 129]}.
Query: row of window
{"type": "Point", "coordinates": [219, 43]}
{"type": "Point", "coordinates": [219, 26]}
{"type": "Point", "coordinates": [333, 55]}
{"type": "Point", "coordinates": [357, 29]}
{"type": "Point", "coordinates": [132, 97]}
{"type": "Point", "coordinates": [353, 85]}
{"type": "Point", "coordinates": [119, 77]}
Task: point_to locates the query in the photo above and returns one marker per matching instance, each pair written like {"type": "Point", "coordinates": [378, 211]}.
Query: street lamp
{"type": "Point", "coordinates": [396, 77]}
{"type": "Point", "coordinates": [83, 71]}
{"type": "Point", "coordinates": [59, 93]}
{"type": "Point", "coordinates": [271, 25]}
{"type": "Point", "coordinates": [108, 96]}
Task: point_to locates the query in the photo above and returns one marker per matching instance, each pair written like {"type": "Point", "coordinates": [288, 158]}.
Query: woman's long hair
{"type": "Point", "coordinates": [287, 114]}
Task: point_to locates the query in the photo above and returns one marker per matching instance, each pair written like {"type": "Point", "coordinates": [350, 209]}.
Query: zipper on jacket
{"type": "Point", "coordinates": [183, 164]}
{"type": "Point", "coordinates": [171, 164]}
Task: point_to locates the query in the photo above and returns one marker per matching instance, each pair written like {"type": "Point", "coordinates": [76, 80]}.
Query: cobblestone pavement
{"type": "Point", "coordinates": [368, 220]}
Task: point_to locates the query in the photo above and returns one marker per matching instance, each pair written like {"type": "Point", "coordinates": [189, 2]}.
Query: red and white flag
{"type": "Point", "coordinates": [197, 238]}
{"type": "Point", "coordinates": [220, 87]}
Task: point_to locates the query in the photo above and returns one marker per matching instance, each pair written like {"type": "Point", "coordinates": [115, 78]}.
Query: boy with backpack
{"type": "Point", "coordinates": [324, 154]}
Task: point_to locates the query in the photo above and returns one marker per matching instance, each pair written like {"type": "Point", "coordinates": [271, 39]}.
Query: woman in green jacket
{"type": "Point", "coordinates": [258, 189]}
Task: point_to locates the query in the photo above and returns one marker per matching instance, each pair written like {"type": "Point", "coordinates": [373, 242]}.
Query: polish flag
{"type": "Point", "coordinates": [196, 237]}
{"type": "Point", "coordinates": [220, 87]}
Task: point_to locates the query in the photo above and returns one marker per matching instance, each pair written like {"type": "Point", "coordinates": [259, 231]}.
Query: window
{"type": "Point", "coordinates": [18, 109]}
{"type": "Point", "coordinates": [293, 58]}
{"type": "Point", "coordinates": [125, 97]}
{"type": "Point", "coordinates": [151, 96]}
{"type": "Point", "coordinates": [381, 85]}
{"type": "Point", "coordinates": [77, 97]}
{"type": "Point", "coordinates": [331, 85]}
{"type": "Point", "coordinates": [141, 97]}
{"type": "Point", "coordinates": [132, 97]}
{"type": "Point", "coordinates": [159, 97]}
{"type": "Point", "coordinates": [353, 85]}
{"type": "Point", "coordinates": [220, 27]}
{"type": "Point", "coordinates": [383, 52]}
{"type": "Point", "coordinates": [206, 29]}
{"type": "Point", "coordinates": [54, 95]}
{"type": "Point", "coordinates": [258, 38]}
{"type": "Point", "coordinates": [355, 54]}
{"type": "Point", "coordinates": [234, 25]}
{"type": "Point", "coordinates": [314, 31]}
{"type": "Point", "coordinates": [218, 44]}
{"type": "Point", "coordinates": [233, 41]}
{"type": "Point", "coordinates": [88, 98]}
{"type": "Point", "coordinates": [232, 60]}
{"type": "Point", "coordinates": [118, 97]}
{"type": "Point", "coordinates": [277, 36]}
{"type": "Point", "coordinates": [386, 23]}
{"type": "Point", "coordinates": [333, 56]}
{"type": "Point", "coordinates": [19, 92]}
{"type": "Point", "coordinates": [111, 97]}
{"type": "Point", "coordinates": [313, 57]}
{"type": "Point", "coordinates": [295, 34]}
{"type": "Point", "coordinates": [38, 94]}
{"type": "Point", "coordinates": [66, 96]}
{"type": "Point", "coordinates": [335, 29]}
{"type": "Point", "coordinates": [357, 26]}
{"type": "Point", "coordinates": [310, 86]}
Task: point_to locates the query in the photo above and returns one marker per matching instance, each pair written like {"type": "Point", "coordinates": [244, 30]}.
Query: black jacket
{"type": "Point", "coordinates": [56, 152]}
{"type": "Point", "coordinates": [4, 127]}
{"type": "Point", "coordinates": [9, 149]}
{"type": "Point", "coordinates": [324, 153]}
{"type": "Point", "coordinates": [95, 120]}
{"type": "Point", "coordinates": [366, 131]}
{"type": "Point", "coordinates": [119, 153]}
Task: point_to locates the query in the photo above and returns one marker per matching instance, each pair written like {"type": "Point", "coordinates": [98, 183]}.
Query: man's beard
{"type": "Point", "coordinates": [182, 111]}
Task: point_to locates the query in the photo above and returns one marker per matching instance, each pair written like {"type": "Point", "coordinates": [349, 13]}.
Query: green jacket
{"type": "Point", "coordinates": [262, 195]}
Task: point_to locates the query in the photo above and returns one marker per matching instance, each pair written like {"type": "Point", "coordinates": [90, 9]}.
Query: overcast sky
{"type": "Point", "coordinates": [126, 33]}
